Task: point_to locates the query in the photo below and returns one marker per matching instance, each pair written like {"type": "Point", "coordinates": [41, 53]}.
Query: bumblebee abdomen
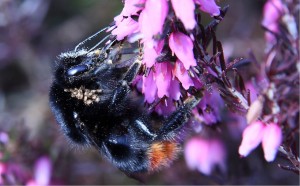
{"type": "Point", "coordinates": [162, 154]}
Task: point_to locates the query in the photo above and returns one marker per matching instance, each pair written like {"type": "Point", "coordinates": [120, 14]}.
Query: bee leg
{"type": "Point", "coordinates": [123, 88]}
{"type": "Point", "coordinates": [177, 119]}
{"type": "Point", "coordinates": [132, 71]}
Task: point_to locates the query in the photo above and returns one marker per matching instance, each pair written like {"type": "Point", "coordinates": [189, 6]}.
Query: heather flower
{"type": "Point", "coordinates": [181, 73]}
{"type": "Point", "coordinates": [273, 9]}
{"type": "Point", "coordinates": [252, 137]}
{"type": "Point", "coordinates": [209, 6]}
{"type": "Point", "coordinates": [42, 172]}
{"type": "Point", "coordinates": [131, 7]}
{"type": "Point", "coordinates": [184, 10]}
{"type": "Point", "coordinates": [159, 84]}
{"type": "Point", "coordinates": [150, 55]}
{"type": "Point", "coordinates": [149, 88]}
{"type": "Point", "coordinates": [152, 18]}
{"type": "Point", "coordinates": [125, 27]}
{"type": "Point", "coordinates": [182, 46]}
{"type": "Point", "coordinates": [271, 141]}
{"type": "Point", "coordinates": [164, 78]}
{"type": "Point", "coordinates": [174, 90]}
{"type": "Point", "coordinates": [154, 12]}
{"type": "Point", "coordinates": [270, 135]}
{"type": "Point", "coordinates": [204, 154]}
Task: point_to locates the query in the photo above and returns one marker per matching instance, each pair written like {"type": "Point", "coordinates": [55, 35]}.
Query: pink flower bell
{"type": "Point", "coordinates": [42, 172]}
{"type": "Point", "coordinates": [182, 46]}
{"type": "Point", "coordinates": [252, 137]}
{"type": "Point", "coordinates": [270, 135]}
{"type": "Point", "coordinates": [273, 9]}
{"type": "Point", "coordinates": [182, 74]}
{"type": "Point", "coordinates": [204, 154]}
{"type": "Point", "coordinates": [209, 6]}
{"type": "Point", "coordinates": [271, 141]}
{"type": "Point", "coordinates": [126, 27]}
{"type": "Point", "coordinates": [184, 10]}
{"type": "Point", "coordinates": [153, 17]}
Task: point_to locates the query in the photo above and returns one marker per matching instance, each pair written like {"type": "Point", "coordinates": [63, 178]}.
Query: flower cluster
{"type": "Point", "coordinates": [269, 134]}
{"type": "Point", "coordinates": [166, 31]}
{"type": "Point", "coordinates": [177, 64]}
{"type": "Point", "coordinates": [275, 112]}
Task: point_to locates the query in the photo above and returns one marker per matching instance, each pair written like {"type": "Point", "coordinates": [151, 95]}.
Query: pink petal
{"type": "Point", "coordinates": [272, 12]}
{"type": "Point", "coordinates": [152, 18]}
{"type": "Point", "coordinates": [252, 137]}
{"type": "Point", "coordinates": [149, 56]}
{"type": "Point", "coordinates": [149, 88]}
{"type": "Point", "coordinates": [174, 90]}
{"type": "Point", "coordinates": [42, 171]}
{"type": "Point", "coordinates": [271, 141]}
{"type": "Point", "coordinates": [131, 7]}
{"type": "Point", "coordinates": [181, 73]}
{"type": "Point", "coordinates": [195, 151]}
{"type": "Point", "coordinates": [204, 155]}
{"type": "Point", "coordinates": [184, 10]}
{"type": "Point", "coordinates": [151, 51]}
{"type": "Point", "coordinates": [209, 6]}
{"type": "Point", "coordinates": [182, 46]}
{"type": "Point", "coordinates": [163, 78]}
{"type": "Point", "coordinates": [126, 27]}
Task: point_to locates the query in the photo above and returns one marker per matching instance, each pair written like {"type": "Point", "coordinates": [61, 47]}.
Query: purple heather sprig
{"type": "Point", "coordinates": [174, 47]}
{"type": "Point", "coordinates": [273, 117]}
{"type": "Point", "coordinates": [177, 65]}
{"type": "Point", "coordinates": [155, 24]}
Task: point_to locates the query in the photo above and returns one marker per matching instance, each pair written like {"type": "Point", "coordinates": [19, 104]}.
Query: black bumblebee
{"type": "Point", "coordinates": [94, 104]}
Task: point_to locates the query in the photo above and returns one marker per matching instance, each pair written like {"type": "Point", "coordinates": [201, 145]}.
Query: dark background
{"type": "Point", "coordinates": [34, 32]}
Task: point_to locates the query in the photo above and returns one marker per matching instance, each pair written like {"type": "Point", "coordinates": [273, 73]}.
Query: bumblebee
{"type": "Point", "coordinates": [94, 103]}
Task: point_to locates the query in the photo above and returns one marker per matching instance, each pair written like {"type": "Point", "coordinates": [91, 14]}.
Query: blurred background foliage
{"type": "Point", "coordinates": [34, 32]}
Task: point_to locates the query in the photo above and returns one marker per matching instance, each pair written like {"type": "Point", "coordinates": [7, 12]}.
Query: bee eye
{"type": "Point", "coordinates": [79, 69]}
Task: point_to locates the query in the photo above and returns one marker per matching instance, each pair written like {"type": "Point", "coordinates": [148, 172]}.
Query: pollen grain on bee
{"type": "Point", "coordinates": [88, 96]}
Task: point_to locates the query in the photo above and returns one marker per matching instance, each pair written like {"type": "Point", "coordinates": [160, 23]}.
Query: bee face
{"type": "Point", "coordinates": [93, 102]}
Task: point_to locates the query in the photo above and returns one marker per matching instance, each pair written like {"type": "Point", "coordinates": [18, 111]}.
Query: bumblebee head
{"type": "Point", "coordinates": [74, 69]}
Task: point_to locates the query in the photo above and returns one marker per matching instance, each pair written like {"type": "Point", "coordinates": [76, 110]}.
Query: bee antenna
{"type": "Point", "coordinates": [102, 40]}
{"type": "Point", "coordinates": [89, 38]}
{"type": "Point", "coordinates": [111, 42]}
